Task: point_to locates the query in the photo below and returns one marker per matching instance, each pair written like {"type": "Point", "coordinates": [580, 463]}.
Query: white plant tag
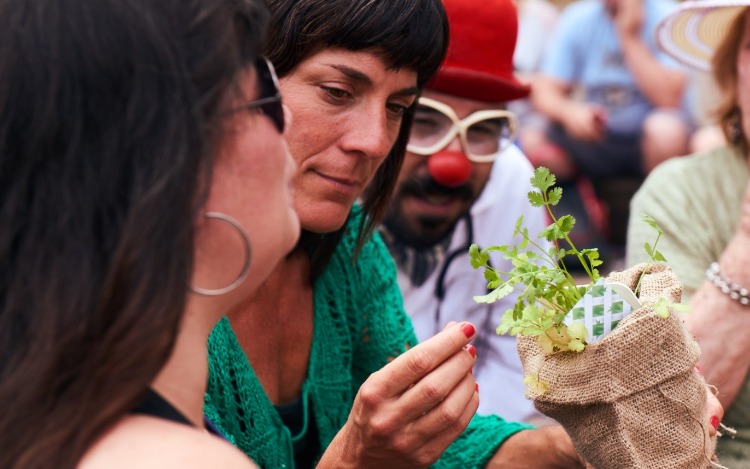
{"type": "Point", "coordinates": [602, 308]}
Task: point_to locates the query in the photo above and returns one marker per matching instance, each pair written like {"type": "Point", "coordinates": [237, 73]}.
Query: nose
{"type": "Point", "coordinates": [450, 166]}
{"type": "Point", "coordinates": [369, 132]}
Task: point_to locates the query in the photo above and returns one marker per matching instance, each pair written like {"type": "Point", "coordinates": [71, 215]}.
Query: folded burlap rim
{"type": "Point", "coordinates": [636, 347]}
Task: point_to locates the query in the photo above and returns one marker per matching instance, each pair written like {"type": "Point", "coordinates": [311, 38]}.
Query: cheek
{"type": "Point", "coordinates": [310, 134]}
{"type": "Point", "coordinates": [743, 79]}
{"type": "Point", "coordinates": [481, 176]}
{"type": "Point", "coordinates": [743, 95]}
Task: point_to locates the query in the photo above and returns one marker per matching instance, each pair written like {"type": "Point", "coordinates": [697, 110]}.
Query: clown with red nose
{"type": "Point", "coordinates": [464, 181]}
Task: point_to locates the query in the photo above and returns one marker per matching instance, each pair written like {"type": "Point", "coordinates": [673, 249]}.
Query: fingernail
{"type": "Point", "coordinates": [468, 329]}
{"type": "Point", "coordinates": [698, 370]}
{"type": "Point", "coordinates": [476, 387]}
{"type": "Point", "coordinates": [715, 422]}
{"type": "Point", "coordinates": [472, 350]}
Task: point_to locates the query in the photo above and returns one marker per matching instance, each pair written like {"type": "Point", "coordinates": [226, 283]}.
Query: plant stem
{"type": "Point", "coordinates": [648, 264]}
{"type": "Point", "coordinates": [567, 238]}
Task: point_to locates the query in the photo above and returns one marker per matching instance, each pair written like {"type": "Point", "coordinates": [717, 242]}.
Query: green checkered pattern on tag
{"type": "Point", "coordinates": [600, 310]}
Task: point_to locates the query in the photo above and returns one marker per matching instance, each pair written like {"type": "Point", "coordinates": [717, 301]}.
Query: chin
{"type": "Point", "coordinates": [322, 216]}
{"type": "Point", "coordinates": [420, 236]}
{"type": "Point", "coordinates": [426, 241]}
{"type": "Point", "coordinates": [327, 223]}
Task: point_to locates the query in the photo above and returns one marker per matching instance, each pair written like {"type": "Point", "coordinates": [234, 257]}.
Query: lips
{"type": "Point", "coordinates": [342, 186]}
{"type": "Point", "coordinates": [341, 180]}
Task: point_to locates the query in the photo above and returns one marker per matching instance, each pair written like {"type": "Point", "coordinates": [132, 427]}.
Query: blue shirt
{"type": "Point", "coordinates": [584, 51]}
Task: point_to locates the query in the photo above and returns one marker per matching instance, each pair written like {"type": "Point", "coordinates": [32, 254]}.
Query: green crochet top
{"type": "Point", "coordinates": [359, 325]}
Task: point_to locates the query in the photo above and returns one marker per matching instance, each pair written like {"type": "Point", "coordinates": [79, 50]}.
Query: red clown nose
{"type": "Point", "coordinates": [449, 168]}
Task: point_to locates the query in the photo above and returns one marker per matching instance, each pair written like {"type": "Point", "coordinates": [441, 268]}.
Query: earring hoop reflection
{"type": "Point", "coordinates": [245, 267]}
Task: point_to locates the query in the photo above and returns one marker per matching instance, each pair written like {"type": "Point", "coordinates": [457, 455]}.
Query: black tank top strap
{"type": "Point", "coordinates": [156, 406]}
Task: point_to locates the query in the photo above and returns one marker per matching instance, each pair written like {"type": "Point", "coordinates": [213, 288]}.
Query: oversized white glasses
{"type": "Point", "coordinates": [483, 134]}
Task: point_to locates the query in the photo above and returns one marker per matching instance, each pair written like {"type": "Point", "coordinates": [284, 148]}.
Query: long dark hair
{"type": "Point", "coordinates": [411, 34]}
{"type": "Point", "coordinates": [109, 111]}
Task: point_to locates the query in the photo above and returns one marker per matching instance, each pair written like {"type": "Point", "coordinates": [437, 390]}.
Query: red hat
{"type": "Point", "coordinates": [479, 64]}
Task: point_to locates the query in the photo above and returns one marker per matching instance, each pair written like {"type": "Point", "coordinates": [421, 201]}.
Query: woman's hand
{"type": "Point", "coordinates": [714, 409]}
{"type": "Point", "coordinates": [585, 121]}
{"type": "Point", "coordinates": [628, 17]}
{"type": "Point", "coordinates": [409, 412]}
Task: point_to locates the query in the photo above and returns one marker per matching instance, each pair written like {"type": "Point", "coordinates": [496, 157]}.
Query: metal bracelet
{"type": "Point", "coordinates": [735, 291]}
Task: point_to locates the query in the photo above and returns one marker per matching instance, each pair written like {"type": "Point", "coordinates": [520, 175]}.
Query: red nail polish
{"type": "Point", "coordinates": [715, 422]}
{"type": "Point", "coordinates": [468, 329]}
{"type": "Point", "coordinates": [476, 387]}
{"type": "Point", "coordinates": [472, 350]}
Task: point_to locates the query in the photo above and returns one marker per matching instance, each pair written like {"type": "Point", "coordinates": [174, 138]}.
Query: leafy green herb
{"type": "Point", "coordinates": [547, 290]}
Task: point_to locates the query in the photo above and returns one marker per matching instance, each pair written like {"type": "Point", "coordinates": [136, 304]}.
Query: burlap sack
{"type": "Point", "coordinates": [632, 400]}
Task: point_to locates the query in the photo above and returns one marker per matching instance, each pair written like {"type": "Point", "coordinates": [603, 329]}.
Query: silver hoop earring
{"type": "Point", "coordinates": [245, 267]}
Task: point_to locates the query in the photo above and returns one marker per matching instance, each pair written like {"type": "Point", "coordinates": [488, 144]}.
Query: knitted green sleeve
{"type": "Point", "coordinates": [479, 442]}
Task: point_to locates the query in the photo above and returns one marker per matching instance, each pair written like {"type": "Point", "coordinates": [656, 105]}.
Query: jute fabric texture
{"type": "Point", "coordinates": [633, 399]}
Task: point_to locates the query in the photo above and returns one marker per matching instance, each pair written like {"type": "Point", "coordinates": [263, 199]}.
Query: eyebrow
{"type": "Point", "coordinates": [360, 77]}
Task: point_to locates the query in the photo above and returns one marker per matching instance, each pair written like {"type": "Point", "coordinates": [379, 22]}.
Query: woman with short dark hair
{"type": "Point", "coordinates": [334, 377]}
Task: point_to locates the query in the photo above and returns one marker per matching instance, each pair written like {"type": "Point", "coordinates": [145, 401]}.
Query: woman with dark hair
{"type": "Point", "coordinates": [144, 191]}
{"type": "Point", "coordinates": [335, 376]}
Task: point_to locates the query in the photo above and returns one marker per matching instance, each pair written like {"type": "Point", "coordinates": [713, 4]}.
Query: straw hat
{"type": "Point", "coordinates": [695, 29]}
{"type": "Point", "coordinates": [479, 63]}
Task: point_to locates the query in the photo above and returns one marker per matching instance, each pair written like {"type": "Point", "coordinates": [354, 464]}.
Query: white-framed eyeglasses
{"type": "Point", "coordinates": [483, 134]}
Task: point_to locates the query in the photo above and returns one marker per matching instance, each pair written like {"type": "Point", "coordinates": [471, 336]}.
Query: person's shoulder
{"type": "Point", "coordinates": [356, 218]}
{"type": "Point", "coordinates": [351, 229]}
{"type": "Point", "coordinates": [698, 165]}
{"type": "Point", "coordinates": [685, 177]}
{"type": "Point", "coordinates": [350, 265]}
{"type": "Point", "coordinates": [148, 442]}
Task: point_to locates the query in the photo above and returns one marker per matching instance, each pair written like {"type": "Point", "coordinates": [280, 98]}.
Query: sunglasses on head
{"type": "Point", "coordinates": [269, 102]}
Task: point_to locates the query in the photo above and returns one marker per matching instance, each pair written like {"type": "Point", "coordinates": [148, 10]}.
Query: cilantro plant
{"type": "Point", "coordinates": [547, 290]}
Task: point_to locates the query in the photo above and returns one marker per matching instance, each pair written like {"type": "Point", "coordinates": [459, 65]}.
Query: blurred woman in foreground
{"type": "Point", "coordinates": [144, 191]}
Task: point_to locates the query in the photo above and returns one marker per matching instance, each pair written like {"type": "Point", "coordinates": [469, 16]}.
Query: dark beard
{"type": "Point", "coordinates": [408, 238]}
